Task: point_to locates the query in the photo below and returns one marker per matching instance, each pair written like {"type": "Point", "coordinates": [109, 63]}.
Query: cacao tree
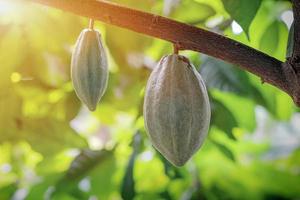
{"type": "Point", "coordinates": [245, 52]}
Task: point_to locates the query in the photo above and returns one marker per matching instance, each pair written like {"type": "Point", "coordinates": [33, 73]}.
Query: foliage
{"type": "Point", "coordinates": [52, 147]}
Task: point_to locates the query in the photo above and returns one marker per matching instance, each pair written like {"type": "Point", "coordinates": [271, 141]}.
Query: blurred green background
{"type": "Point", "coordinates": [52, 147]}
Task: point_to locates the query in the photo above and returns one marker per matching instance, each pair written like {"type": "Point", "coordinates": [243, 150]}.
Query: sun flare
{"type": "Point", "coordinates": [12, 11]}
{"type": "Point", "coordinates": [6, 7]}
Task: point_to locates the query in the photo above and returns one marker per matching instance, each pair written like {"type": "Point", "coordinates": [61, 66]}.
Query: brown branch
{"type": "Point", "coordinates": [291, 67]}
{"type": "Point", "coordinates": [185, 37]}
{"type": "Point", "coordinates": [296, 11]}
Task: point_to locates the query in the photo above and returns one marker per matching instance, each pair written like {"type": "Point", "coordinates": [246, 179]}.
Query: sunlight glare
{"type": "Point", "coordinates": [287, 17]}
{"type": "Point", "coordinates": [236, 28]}
{"type": "Point", "coordinates": [6, 7]}
{"type": "Point", "coordinates": [11, 11]}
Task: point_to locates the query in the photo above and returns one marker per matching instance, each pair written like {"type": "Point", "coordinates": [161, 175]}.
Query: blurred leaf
{"type": "Point", "coordinates": [128, 56]}
{"type": "Point", "coordinates": [274, 100]}
{"type": "Point", "coordinates": [101, 175]}
{"type": "Point", "coordinates": [275, 180]}
{"type": "Point", "coordinates": [270, 38]}
{"type": "Point", "coordinates": [84, 162]}
{"type": "Point", "coordinates": [224, 76]}
{"type": "Point", "coordinates": [274, 40]}
{"type": "Point", "coordinates": [198, 12]}
{"type": "Point", "coordinates": [290, 44]}
{"type": "Point", "coordinates": [59, 163]}
{"type": "Point", "coordinates": [227, 77]}
{"type": "Point", "coordinates": [280, 53]}
{"type": "Point", "coordinates": [44, 188]}
{"type": "Point", "coordinates": [166, 195]}
{"type": "Point", "coordinates": [241, 108]}
{"type": "Point", "coordinates": [169, 6]}
{"type": "Point", "coordinates": [225, 150]}
{"type": "Point", "coordinates": [146, 5]}
{"type": "Point", "coordinates": [128, 184]}
{"type": "Point", "coordinates": [10, 122]}
{"type": "Point", "coordinates": [171, 171]}
{"type": "Point", "coordinates": [284, 112]}
{"type": "Point", "coordinates": [107, 113]}
{"type": "Point", "coordinates": [223, 118]}
{"type": "Point", "coordinates": [7, 192]}
{"type": "Point", "coordinates": [195, 192]}
{"type": "Point", "coordinates": [149, 165]}
{"type": "Point", "coordinates": [63, 196]}
{"type": "Point", "coordinates": [50, 137]}
{"type": "Point", "coordinates": [72, 106]}
{"type": "Point", "coordinates": [269, 196]}
{"type": "Point", "coordinates": [217, 192]}
{"type": "Point", "coordinates": [268, 12]}
{"type": "Point", "coordinates": [12, 47]}
{"type": "Point", "coordinates": [242, 11]}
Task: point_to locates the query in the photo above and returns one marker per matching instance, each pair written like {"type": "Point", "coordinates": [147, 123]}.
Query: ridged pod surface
{"type": "Point", "coordinates": [89, 71]}
{"type": "Point", "coordinates": [176, 109]}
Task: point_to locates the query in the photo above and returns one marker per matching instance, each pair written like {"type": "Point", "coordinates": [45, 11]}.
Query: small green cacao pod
{"type": "Point", "coordinates": [89, 71]}
{"type": "Point", "coordinates": [176, 109]}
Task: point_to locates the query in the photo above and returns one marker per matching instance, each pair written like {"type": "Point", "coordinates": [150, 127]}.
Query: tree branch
{"type": "Point", "coordinates": [185, 37]}
{"type": "Point", "coordinates": [296, 11]}
{"type": "Point", "coordinates": [291, 67]}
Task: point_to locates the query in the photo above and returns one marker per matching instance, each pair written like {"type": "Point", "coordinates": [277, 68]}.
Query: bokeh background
{"type": "Point", "coordinates": [52, 147]}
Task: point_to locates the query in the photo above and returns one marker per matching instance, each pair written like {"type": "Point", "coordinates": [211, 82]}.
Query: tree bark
{"type": "Point", "coordinates": [291, 67]}
{"type": "Point", "coordinates": [187, 37]}
{"type": "Point", "coordinates": [296, 11]}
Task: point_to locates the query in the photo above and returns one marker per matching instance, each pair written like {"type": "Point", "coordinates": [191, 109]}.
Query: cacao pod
{"type": "Point", "coordinates": [89, 71]}
{"type": "Point", "coordinates": [176, 109]}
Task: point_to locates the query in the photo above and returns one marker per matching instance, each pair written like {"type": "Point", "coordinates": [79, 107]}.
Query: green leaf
{"type": "Point", "coordinates": [10, 122]}
{"type": "Point", "coordinates": [242, 108]}
{"type": "Point", "coordinates": [12, 52]}
{"type": "Point", "coordinates": [274, 39]}
{"type": "Point", "coordinates": [101, 175]}
{"type": "Point", "coordinates": [128, 184]}
{"type": "Point", "coordinates": [290, 44]}
{"type": "Point", "coordinates": [50, 136]}
{"type": "Point", "coordinates": [225, 150]}
{"type": "Point", "coordinates": [171, 171]}
{"type": "Point", "coordinates": [39, 190]}
{"type": "Point", "coordinates": [242, 11]}
{"type": "Point", "coordinates": [63, 196]}
{"type": "Point", "coordinates": [7, 192]}
{"type": "Point", "coordinates": [283, 33]}
{"type": "Point", "coordinates": [284, 106]}
{"type": "Point", "coordinates": [221, 75]}
{"type": "Point", "coordinates": [224, 76]}
{"type": "Point", "coordinates": [84, 162]}
{"type": "Point", "coordinates": [197, 12]}
{"type": "Point", "coordinates": [82, 165]}
{"type": "Point", "coordinates": [166, 195]}
{"type": "Point", "coordinates": [278, 103]}
{"type": "Point", "coordinates": [270, 38]}
{"type": "Point", "coordinates": [227, 77]}
{"type": "Point", "coordinates": [223, 118]}
{"type": "Point", "coordinates": [195, 191]}
{"type": "Point", "coordinates": [72, 106]}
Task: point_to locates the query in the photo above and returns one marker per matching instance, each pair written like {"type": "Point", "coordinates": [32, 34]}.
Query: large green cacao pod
{"type": "Point", "coordinates": [176, 109]}
{"type": "Point", "coordinates": [89, 71]}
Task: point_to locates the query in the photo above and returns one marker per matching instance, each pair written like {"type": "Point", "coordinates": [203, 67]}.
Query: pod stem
{"type": "Point", "coordinates": [91, 26]}
{"type": "Point", "coordinates": [175, 48]}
